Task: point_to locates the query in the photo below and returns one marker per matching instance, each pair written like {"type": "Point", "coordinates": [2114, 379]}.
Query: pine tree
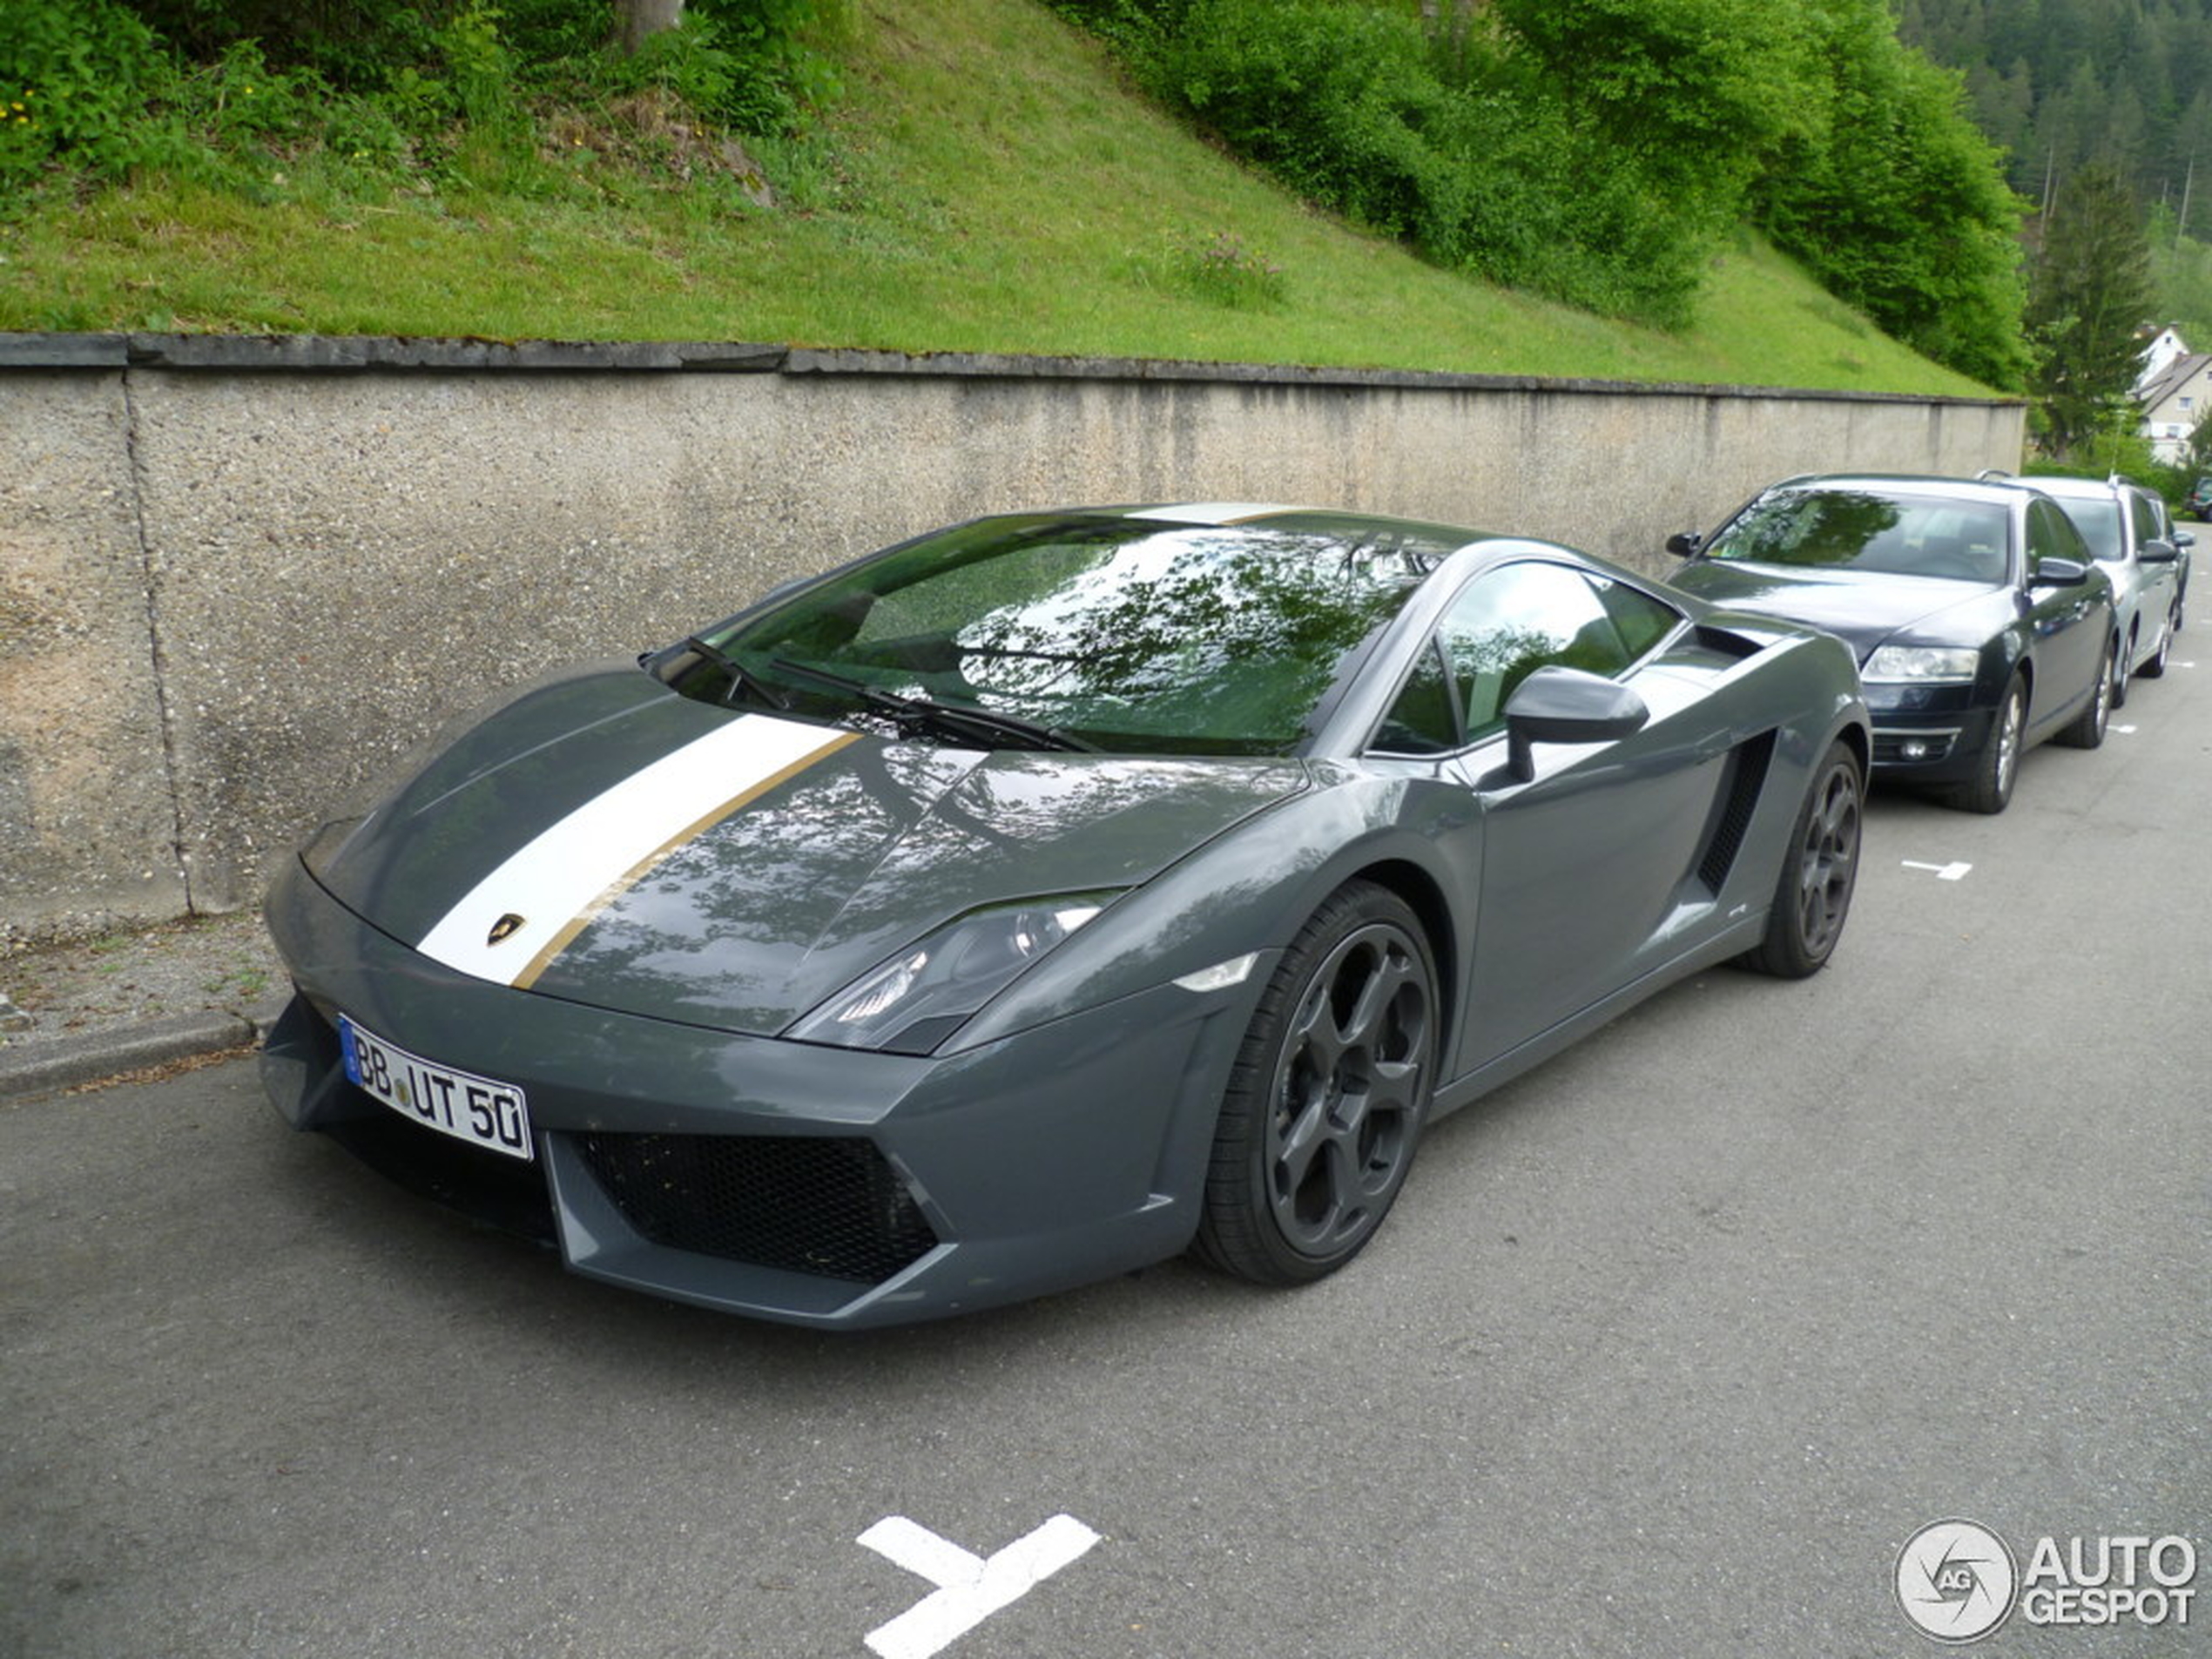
{"type": "Point", "coordinates": [2088, 290]}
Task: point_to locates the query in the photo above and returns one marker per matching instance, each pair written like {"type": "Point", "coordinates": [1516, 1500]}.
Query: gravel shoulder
{"type": "Point", "coordinates": [78, 1010]}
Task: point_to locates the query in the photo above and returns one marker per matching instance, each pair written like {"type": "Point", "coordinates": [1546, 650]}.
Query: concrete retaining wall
{"type": "Point", "coordinates": [239, 577]}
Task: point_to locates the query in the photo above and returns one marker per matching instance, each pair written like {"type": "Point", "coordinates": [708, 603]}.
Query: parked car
{"type": "Point", "coordinates": [2126, 528]}
{"type": "Point", "coordinates": [2199, 503]}
{"type": "Point", "coordinates": [1037, 898]}
{"type": "Point", "coordinates": [1981, 622]}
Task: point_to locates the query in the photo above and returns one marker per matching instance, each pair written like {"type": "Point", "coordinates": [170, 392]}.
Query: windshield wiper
{"type": "Point", "coordinates": [915, 713]}
{"type": "Point", "coordinates": [741, 678]}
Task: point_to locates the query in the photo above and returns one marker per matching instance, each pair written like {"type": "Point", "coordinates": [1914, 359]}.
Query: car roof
{"type": "Point", "coordinates": [1995, 491]}
{"type": "Point", "coordinates": [1327, 521]}
{"type": "Point", "coordinates": [2089, 489]}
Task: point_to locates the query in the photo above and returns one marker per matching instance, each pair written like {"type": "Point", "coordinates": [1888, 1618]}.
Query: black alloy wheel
{"type": "Point", "coordinates": [1819, 869]}
{"type": "Point", "coordinates": [1328, 1095]}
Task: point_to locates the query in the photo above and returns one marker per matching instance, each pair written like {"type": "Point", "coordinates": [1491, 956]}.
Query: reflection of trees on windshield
{"type": "Point", "coordinates": [1950, 537]}
{"type": "Point", "coordinates": [1242, 634]}
{"type": "Point", "coordinates": [1832, 528]}
{"type": "Point", "coordinates": [1181, 637]}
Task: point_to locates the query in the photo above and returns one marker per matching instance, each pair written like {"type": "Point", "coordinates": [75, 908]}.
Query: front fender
{"type": "Point", "coordinates": [1247, 890]}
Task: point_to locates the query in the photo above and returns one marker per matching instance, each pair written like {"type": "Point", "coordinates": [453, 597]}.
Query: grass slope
{"type": "Point", "coordinates": [988, 182]}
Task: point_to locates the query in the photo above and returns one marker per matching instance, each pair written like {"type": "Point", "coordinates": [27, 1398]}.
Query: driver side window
{"type": "Point", "coordinates": [2051, 535]}
{"type": "Point", "coordinates": [1522, 617]}
{"type": "Point", "coordinates": [1509, 623]}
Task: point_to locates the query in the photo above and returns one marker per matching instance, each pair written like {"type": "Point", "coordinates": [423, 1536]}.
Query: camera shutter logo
{"type": "Point", "coordinates": [1956, 1581]}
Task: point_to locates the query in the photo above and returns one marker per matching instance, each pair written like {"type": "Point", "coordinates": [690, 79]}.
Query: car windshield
{"type": "Point", "coordinates": [2098, 523]}
{"type": "Point", "coordinates": [1125, 634]}
{"type": "Point", "coordinates": [1856, 529]}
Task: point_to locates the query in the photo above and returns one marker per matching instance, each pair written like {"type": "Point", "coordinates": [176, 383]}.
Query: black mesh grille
{"type": "Point", "coordinates": [811, 1205]}
{"type": "Point", "coordinates": [1751, 764]}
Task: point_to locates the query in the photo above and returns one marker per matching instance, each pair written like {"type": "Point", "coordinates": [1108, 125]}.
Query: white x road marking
{"type": "Point", "coordinates": [969, 1588]}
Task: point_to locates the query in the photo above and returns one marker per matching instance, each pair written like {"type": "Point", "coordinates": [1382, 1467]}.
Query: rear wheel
{"type": "Point", "coordinates": [1990, 790]}
{"type": "Point", "coordinates": [1820, 868]}
{"type": "Point", "coordinates": [2155, 668]}
{"type": "Point", "coordinates": [2087, 729]}
{"type": "Point", "coordinates": [1328, 1095]}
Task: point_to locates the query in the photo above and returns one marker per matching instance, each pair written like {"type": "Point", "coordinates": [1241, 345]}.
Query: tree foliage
{"type": "Point", "coordinates": [2062, 83]}
{"type": "Point", "coordinates": [2089, 291]}
{"type": "Point", "coordinates": [1599, 151]}
{"type": "Point", "coordinates": [1890, 196]}
{"type": "Point", "coordinates": [217, 89]}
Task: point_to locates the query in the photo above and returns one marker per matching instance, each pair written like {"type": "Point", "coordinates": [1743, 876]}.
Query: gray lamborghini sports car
{"type": "Point", "coordinates": [1049, 895]}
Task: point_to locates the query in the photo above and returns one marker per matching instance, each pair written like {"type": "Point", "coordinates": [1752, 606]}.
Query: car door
{"type": "Point", "coordinates": [2066, 624]}
{"type": "Point", "coordinates": [1583, 865]}
{"type": "Point", "coordinates": [2158, 579]}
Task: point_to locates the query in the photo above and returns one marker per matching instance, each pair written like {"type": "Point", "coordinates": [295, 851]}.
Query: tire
{"type": "Point", "coordinates": [1990, 790]}
{"type": "Point", "coordinates": [2087, 729]}
{"type": "Point", "coordinates": [2155, 668]}
{"type": "Point", "coordinates": [1819, 869]}
{"type": "Point", "coordinates": [2123, 666]}
{"type": "Point", "coordinates": [1328, 1095]}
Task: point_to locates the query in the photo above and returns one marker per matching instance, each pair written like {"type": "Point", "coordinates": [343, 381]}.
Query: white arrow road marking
{"type": "Point", "coordinates": [1943, 872]}
{"type": "Point", "coordinates": [969, 1588]}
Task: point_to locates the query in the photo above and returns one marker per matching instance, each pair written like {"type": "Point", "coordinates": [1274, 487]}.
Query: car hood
{"type": "Point", "coordinates": [1862, 610]}
{"type": "Point", "coordinates": [605, 840]}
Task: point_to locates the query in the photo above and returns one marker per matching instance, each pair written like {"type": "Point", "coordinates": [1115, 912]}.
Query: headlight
{"type": "Point", "coordinates": [1918, 665]}
{"type": "Point", "coordinates": [925, 993]}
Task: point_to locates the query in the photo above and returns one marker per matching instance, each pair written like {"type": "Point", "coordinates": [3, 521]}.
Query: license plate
{"type": "Point", "coordinates": [482, 1110]}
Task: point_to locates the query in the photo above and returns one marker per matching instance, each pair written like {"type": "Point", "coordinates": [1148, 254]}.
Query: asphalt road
{"type": "Point", "coordinates": [1667, 1350]}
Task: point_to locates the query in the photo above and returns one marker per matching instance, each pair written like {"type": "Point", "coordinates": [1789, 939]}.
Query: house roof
{"type": "Point", "coordinates": [2177, 375]}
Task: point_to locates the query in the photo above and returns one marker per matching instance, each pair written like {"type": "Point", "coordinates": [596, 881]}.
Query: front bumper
{"type": "Point", "coordinates": [1940, 741]}
{"type": "Point", "coordinates": [789, 1181]}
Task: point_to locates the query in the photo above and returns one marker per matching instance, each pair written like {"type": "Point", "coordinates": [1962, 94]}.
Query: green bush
{"type": "Point", "coordinates": [1597, 152]}
{"type": "Point", "coordinates": [1898, 205]}
{"type": "Point", "coordinates": [242, 94]}
{"type": "Point", "coordinates": [1489, 172]}
{"type": "Point", "coordinates": [86, 81]}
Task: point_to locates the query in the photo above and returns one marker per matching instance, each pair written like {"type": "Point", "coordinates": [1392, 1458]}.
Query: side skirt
{"type": "Point", "coordinates": [1732, 942]}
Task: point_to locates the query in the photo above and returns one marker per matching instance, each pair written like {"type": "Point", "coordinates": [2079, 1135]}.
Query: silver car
{"type": "Point", "coordinates": [2137, 548]}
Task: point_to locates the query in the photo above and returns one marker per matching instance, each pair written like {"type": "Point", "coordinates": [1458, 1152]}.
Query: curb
{"type": "Point", "coordinates": [71, 1061]}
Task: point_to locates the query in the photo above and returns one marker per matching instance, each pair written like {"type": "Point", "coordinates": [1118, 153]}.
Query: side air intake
{"type": "Point", "coordinates": [1747, 777]}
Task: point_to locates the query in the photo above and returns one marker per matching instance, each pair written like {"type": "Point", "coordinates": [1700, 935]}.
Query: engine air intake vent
{"type": "Point", "coordinates": [1749, 767]}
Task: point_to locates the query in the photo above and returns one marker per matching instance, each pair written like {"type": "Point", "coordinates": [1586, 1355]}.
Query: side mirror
{"type": "Point", "coordinates": [1683, 544]}
{"type": "Point", "coordinates": [1557, 704]}
{"type": "Point", "coordinates": [2059, 573]}
{"type": "Point", "coordinates": [2158, 553]}
{"type": "Point", "coordinates": [2181, 537]}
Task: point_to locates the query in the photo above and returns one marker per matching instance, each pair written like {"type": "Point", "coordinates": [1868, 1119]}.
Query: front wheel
{"type": "Point", "coordinates": [2087, 729]}
{"type": "Point", "coordinates": [1328, 1096]}
{"type": "Point", "coordinates": [1990, 790]}
{"type": "Point", "coordinates": [1820, 868]}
